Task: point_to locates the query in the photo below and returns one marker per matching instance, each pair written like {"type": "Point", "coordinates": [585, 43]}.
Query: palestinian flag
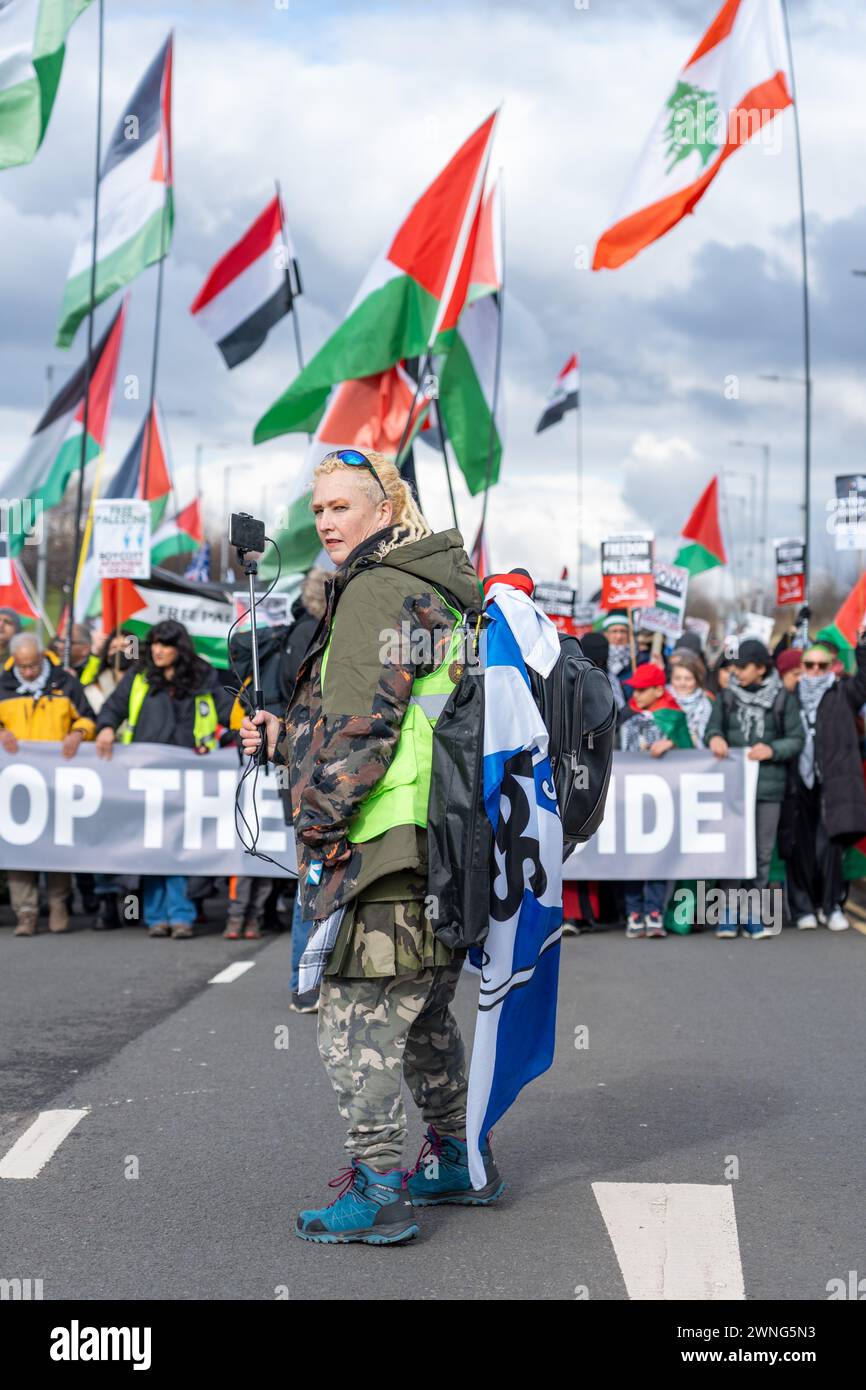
{"type": "Point", "coordinates": [847, 623]}
{"type": "Point", "coordinates": [18, 595]}
{"type": "Point", "coordinates": [479, 555]}
{"type": "Point", "coordinates": [250, 289]}
{"type": "Point", "coordinates": [734, 82]}
{"type": "Point", "coordinates": [128, 481]}
{"type": "Point", "coordinates": [412, 296]}
{"type": "Point", "coordinates": [703, 547]}
{"type": "Point", "coordinates": [150, 481]}
{"type": "Point", "coordinates": [204, 610]}
{"type": "Point", "coordinates": [467, 383]}
{"type": "Point", "coordinates": [32, 49]}
{"type": "Point", "coordinates": [135, 199]}
{"type": "Point", "coordinates": [39, 478]}
{"type": "Point", "coordinates": [564, 395]}
{"type": "Point", "coordinates": [366, 414]}
{"type": "Point", "coordinates": [178, 537]}
{"type": "Point", "coordinates": [671, 720]}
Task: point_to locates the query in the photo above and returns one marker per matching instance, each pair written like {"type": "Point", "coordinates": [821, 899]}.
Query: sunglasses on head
{"type": "Point", "coordinates": [816, 665]}
{"type": "Point", "coordinates": [356, 459]}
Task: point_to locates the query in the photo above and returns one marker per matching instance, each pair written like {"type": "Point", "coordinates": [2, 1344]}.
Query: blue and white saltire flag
{"type": "Point", "coordinates": [519, 960]}
{"type": "Point", "coordinates": [199, 566]}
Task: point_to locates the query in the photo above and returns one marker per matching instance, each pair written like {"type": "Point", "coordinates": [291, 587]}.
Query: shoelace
{"type": "Point", "coordinates": [430, 1146]}
{"type": "Point", "coordinates": [345, 1180]}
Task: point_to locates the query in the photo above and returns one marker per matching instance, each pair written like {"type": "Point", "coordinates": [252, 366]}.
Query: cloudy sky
{"type": "Point", "coordinates": [356, 105]}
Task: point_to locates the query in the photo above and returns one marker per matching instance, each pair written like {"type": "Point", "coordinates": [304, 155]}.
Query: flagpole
{"type": "Point", "coordinates": [497, 370]}
{"type": "Point", "coordinates": [443, 437]}
{"type": "Point", "coordinates": [79, 501]}
{"type": "Point", "coordinates": [157, 323]}
{"type": "Point", "coordinates": [807, 363]}
{"type": "Point", "coordinates": [579, 428]}
{"type": "Point", "coordinates": [293, 306]}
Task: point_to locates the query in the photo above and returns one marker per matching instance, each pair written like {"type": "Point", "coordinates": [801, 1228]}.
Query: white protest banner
{"type": "Point", "coordinates": [686, 815]}
{"type": "Point", "coordinates": [153, 809]}
{"type": "Point", "coordinates": [672, 587]}
{"type": "Point", "coordinates": [121, 538]}
{"type": "Point", "coordinates": [150, 809]}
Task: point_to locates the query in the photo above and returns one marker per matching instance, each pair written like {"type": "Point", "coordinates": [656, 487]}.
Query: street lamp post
{"type": "Point", "coordinates": [765, 490]}
{"type": "Point", "coordinates": [805, 506]}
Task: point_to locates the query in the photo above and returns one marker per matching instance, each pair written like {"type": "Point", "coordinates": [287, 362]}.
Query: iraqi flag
{"type": "Point", "coordinates": [39, 478]}
{"type": "Point", "coordinates": [735, 81]}
{"type": "Point", "coordinates": [32, 49]}
{"type": "Point", "coordinates": [703, 547]}
{"type": "Point", "coordinates": [467, 384]}
{"type": "Point", "coordinates": [411, 298]}
{"type": "Point", "coordinates": [564, 395]}
{"type": "Point", "coordinates": [366, 414]}
{"type": "Point", "coordinates": [135, 199]}
{"type": "Point", "coordinates": [250, 288]}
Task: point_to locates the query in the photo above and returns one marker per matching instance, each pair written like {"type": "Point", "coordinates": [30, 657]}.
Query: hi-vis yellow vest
{"type": "Point", "coordinates": [402, 795]}
{"type": "Point", "coordinates": [204, 723]}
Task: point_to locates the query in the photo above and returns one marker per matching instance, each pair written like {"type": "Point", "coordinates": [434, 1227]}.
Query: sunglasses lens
{"type": "Point", "coordinates": [352, 456]}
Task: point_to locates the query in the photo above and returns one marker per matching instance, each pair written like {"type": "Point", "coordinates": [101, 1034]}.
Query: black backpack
{"type": "Point", "coordinates": [579, 711]}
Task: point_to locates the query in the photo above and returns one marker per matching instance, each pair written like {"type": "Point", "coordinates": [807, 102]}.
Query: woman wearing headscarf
{"type": "Point", "coordinates": [169, 696]}
{"type": "Point", "coordinates": [357, 738]}
{"type": "Point", "coordinates": [688, 677]}
{"type": "Point", "coordinates": [825, 805]}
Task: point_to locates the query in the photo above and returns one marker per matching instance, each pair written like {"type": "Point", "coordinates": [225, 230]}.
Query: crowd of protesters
{"type": "Point", "coordinates": [798, 712]}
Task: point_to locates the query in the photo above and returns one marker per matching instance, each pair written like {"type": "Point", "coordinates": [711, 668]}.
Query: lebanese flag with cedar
{"type": "Point", "coordinates": [703, 547]}
{"type": "Point", "coordinates": [735, 81]}
{"type": "Point", "coordinates": [411, 298]}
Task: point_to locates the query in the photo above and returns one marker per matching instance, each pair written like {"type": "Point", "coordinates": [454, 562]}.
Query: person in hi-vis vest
{"type": "Point", "coordinates": [169, 696]}
{"type": "Point", "coordinates": [357, 739]}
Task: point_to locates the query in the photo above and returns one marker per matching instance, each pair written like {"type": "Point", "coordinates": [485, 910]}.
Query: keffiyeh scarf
{"type": "Point", "coordinates": [752, 705]}
{"type": "Point", "coordinates": [810, 692]}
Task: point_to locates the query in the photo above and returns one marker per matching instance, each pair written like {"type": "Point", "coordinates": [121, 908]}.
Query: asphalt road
{"type": "Point", "coordinates": [699, 1052]}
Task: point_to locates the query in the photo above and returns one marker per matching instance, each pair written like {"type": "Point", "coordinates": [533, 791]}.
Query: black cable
{"type": "Point", "coordinates": [253, 763]}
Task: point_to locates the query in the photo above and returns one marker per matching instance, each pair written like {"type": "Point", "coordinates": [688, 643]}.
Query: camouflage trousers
{"type": "Point", "coordinates": [375, 1032]}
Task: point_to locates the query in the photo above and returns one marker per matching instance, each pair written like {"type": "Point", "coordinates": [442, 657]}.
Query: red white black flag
{"type": "Point", "coordinates": [564, 396]}
{"type": "Point", "coordinates": [250, 288]}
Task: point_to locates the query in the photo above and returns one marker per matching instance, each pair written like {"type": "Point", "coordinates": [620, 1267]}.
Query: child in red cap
{"type": "Point", "coordinates": [654, 724]}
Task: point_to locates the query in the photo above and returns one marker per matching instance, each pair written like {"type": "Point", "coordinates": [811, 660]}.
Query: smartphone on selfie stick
{"type": "Point", "coordinates": [247, 535]}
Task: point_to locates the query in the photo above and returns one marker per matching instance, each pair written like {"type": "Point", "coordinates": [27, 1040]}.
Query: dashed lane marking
{"type": "Point", "coordinates": [29, 1154]}
{"type": "Point", "coordinates": [232, 972]}
{"type": "Point", "coordinates": [674, 1240]}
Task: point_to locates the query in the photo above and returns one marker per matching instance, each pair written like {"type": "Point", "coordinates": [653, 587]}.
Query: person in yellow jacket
{"type": "Point", "coordinates": [40, 702]}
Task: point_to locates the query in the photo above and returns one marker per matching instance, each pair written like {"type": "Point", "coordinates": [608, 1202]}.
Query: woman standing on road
{"type": "Point", "coordinates": [170, 696]}
{"type": "Point", "coordinates": [825, 804]}
{"type": "Point", "coordinates": [358, 741]}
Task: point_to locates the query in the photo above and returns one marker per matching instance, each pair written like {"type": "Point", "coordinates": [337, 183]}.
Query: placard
{"type": "Point", "coordinates": [672, 587]}
{"type": "Point", "coordinates": [627, 571]}
{"type": "Point", "coordinates": [121, 538]}
{"type": "Point", "coordinates": [790, 570]}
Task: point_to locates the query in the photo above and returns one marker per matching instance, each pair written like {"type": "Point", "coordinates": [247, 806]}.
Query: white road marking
{"type": "Point", "coordinates": [231, 972]}
{"type": "Point", "coordinates": [29, 1154]}
{"type": "Point", "coordinates": [674, 1240]}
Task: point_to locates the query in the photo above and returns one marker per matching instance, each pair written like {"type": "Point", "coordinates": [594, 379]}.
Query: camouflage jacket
{"type": "Point", "coordinates": [389, 626]}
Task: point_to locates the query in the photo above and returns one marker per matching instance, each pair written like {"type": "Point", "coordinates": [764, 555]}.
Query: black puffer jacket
{"type": "Point", "coordinates": [165, 718]}
{"type": "Point", "coordinates": [837, 755]}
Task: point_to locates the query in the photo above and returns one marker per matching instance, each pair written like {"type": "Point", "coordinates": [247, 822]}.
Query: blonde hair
{"type": "Point", "coordinates": [408, 522]}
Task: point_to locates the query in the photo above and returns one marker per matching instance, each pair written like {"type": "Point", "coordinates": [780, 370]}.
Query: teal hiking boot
{"type": "Point", "coordinates": [442, 1174]}
{"type": "Point", "coordinates": [372, 1209]}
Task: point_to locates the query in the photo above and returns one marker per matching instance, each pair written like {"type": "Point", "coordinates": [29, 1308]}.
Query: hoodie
{"type": "Point", "coordinates": [387, 625]}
